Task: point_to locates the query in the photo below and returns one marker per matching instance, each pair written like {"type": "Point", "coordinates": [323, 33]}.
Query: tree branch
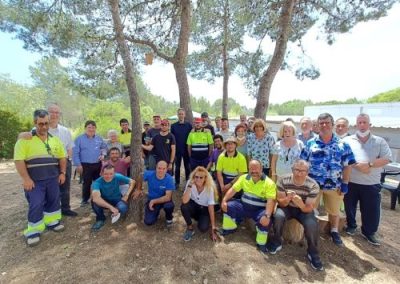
{"type": "Point", "coordinates": [150, 44]}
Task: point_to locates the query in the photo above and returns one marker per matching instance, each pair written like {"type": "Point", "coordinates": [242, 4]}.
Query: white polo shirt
{"type": "Point", "coordinates": [64, 134]}
{"type": "Point", "coordinates": [204, 198]}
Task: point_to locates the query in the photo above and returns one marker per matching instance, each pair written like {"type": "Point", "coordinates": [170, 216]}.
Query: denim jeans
{"type": "Point", "coordinates": [151, 216]}
{"type": "Point", "coordinates": [122, 206]}
{"type": "Point", "coordinates": [308, 220]}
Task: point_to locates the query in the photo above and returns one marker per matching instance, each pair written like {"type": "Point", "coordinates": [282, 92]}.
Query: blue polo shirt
{"type": "Point", "coordinates": [109, 191]}
{"type": "Point", "coordinates": [327, 160]}
{"type": "Point", "coordinates": [157, 187]}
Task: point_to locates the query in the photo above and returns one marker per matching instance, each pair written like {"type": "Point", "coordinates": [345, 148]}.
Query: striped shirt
{"type": "Point", "coordinates": [309, 189]}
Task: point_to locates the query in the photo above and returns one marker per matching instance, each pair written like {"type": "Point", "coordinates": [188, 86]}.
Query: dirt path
{"type": "Point", "coordinates": [129, 252]}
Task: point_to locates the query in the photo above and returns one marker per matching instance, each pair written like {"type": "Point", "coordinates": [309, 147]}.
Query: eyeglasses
{"type": "Point", "coordinates": [199, 177]}
{"type": "Point", "coordinates": [48, 148]}
{"type": "Point", "coordinates": [322, 123]}
{"type": "Point", "coordinates": [41, 124]}
{"type": "Point", "coordinates": [300, 171]}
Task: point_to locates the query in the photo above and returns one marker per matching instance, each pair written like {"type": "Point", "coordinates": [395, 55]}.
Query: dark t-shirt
{"type": "Point", "coordinates": [144, 135]}
{"type": "Point", "coordinates": [181, 132]}
{"type": "Point", "coordinates": [162, 147]}
{"type": "Point", "coordinates": [152, 132]}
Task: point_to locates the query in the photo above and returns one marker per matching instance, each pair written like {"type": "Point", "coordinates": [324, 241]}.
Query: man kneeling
{"type": "Point", "coordinates": [106, 195]}
{"type": "Point", "coordinates": [297, 194]}
{"type": "Point", "coordinates": [257, 203]}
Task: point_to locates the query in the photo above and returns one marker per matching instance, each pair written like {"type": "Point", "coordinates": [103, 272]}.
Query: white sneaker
{"type": "Point", "coordinates": [58, 228]}
{"type": "Point", "coordinates": [32, 241]}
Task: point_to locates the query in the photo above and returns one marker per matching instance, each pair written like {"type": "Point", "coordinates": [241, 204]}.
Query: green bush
{"type": "Point", "coordinates": [10, 127]}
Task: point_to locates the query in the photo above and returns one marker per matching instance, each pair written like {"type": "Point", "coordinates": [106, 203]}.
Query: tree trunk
{"type": "Point", "coordinates": [225, 63]}
{"type": "Point", "coordinates": [184, 94]}
{"type": "Point", "coordinates": [268, 77]}
{"type": "Point", "coordinates": [136, 142]}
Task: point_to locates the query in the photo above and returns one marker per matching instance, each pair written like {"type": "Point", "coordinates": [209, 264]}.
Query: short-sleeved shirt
{"type": "Point", "coordinates": [158, 187]}
{"type": "Point", "coordinates": [301, 137]}
{"type": "Point", "coordinates": [162, 147]}
{"type": "Point", "coordinates": [374, 148]}
{"type": "Point", "coordinates": [204, 198]}
{"type": "Point", "coordinates": [309, 189]}
{"type": "Point", "coordinates": [120, 166]}
{"type": "Point", "coordinates": [225, 134]}
{"type": "Point", "coordinates": [109, 191]}
{"type": "Point", "coordinates": [231, 167]}
{"type": "Point", "coordinates": [255, 194]}
{"type": "Point", "coordinates": [260, 149]}
{"type": "Point", "coordinates": [200, 141]}
{"type": "Point", "coordinates": [41, 157]}
{"type": "Point", "coordinates": [286, 156]}
{"type": "Point", "coordinates": [65, 136]}
{"type": "Point", "coordinates": [214, 158]}
{"type": "Point", "coordinates": [327, 160]}
{"type": "Point", "coordinates": [242, 149]}
{"type": "Point", "coordinates": [125, 138]}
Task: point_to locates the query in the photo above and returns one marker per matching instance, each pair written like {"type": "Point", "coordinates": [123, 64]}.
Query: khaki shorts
{"type": "Point", "coordinates": [332, 201]}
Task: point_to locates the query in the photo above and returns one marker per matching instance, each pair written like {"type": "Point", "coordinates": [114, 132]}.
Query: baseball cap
{"type": "Point", "coordinates": [230, 140]}
{"type": "Point", "coordinates": [198, 120]}
{"type": "Point", "coordinates": [204, 114]}
{"type": "Point", "coordinates": [165, 121]}
{"type": "Point", "coordinates": [146, 123]}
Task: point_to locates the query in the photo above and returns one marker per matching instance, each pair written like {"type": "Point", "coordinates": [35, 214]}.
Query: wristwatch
{"type": "Point", "coordinates": [267, 215]}
{"type": "Point", "coordinates": [370, 164]}
{"type": "Point", "coordinates": [62, 173]}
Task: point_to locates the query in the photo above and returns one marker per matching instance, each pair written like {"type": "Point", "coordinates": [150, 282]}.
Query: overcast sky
{"type": "Point", "coordinates": [359, 64]}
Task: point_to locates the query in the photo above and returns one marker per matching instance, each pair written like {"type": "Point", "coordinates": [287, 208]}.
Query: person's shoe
{"type": "Point", "coordinates": [371, 239]}
{"type": "Point", "coordinates": [33, 241]}
{"type": "Point", "coordinates": [69, 213]}
{"type": "Point", "coordinates": [351, 231]}
{"type": "Point", "coordinates": [273, 248]}
{"type": "Point", "coordinates": [188, 235]}
{"type": "Point", "coordinates": [97, 226]}
{"type": "Point", "coordinates": [84, 203]}
{"type": "Point", "coordinates": [262, 248]}
{"type": "Point", "coordinates": [168, 223]}
{"type": "Point", "coordinates": [315, 262]}
{"type": "Point", "coordinates": [223, 232]}
{"type": "Point", "coordinates": [58, 228]}
{"type": "Point", "coordinates": [336, 239]}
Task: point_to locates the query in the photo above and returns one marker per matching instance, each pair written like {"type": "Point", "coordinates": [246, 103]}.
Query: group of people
{"type": "Point", "coordinates": [245, 173]}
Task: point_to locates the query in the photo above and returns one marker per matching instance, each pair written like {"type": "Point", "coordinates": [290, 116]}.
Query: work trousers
{"type": "Point", "coordinates": [178, 159]}
{"type": "Point", "coordinates": [151, 216]}
{"type": "Point", "coordinates": [65, 189]}
{"type": "Point", "coordinates": [370, 206]}
{"type": "Point", "coordinates": [90, 173]}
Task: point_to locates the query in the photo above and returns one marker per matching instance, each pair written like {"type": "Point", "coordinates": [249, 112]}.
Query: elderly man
{"type": "Point", "coordinates": [200, 145]}
{"type": "Point", "coordinates": [372, 153]}
{"type": "Point", "coordinates": [107, 195]}
{"type": "Point", "coordinates": [342, 127]}
{"type": "Point", "coordinates": [41, 163]}
{"type": "Point", "coordinates": [181, 130]}
{"type": "Point", "coordinates": [89, 151]}
{"type": "Point", "coordinates": [297, 194]}
{"type": "Point", "coordinates": [257, 202]}
{"type": "Point", "coordinates": [160, 185]}
{"type": "Point", "coordinates": [207, 123]}
{"type": "Point", "coordinates": [217, 121]}
{"type": "Point", "coordinates": [330, 166]}
{"type": "Point", "coordinates": [306, 132]}
{"type": "Point", "coordinates": [231, 165]}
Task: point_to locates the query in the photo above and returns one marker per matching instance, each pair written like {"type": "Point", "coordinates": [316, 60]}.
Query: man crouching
{"type": "Point", "coordinates": [106, 194]}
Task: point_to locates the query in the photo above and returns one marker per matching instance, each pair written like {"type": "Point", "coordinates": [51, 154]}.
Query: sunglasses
{"type": "Point", "coordinates": [41, 124]}
{"type": "Point", "coordinates": [199, 177]}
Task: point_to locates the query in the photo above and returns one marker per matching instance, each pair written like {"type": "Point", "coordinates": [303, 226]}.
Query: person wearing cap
{"type": "Point", "coordinates": [200, 145]}
{"type": "Point", "coordinates": [257, 202]}
{"type": "Point", "coordinates": [146, 141]}
{"type": "Point", "coordinates": [225, 132]}
{"type": "Point", "coordinates": [207, 123]}
{"type": "Point", "coordinates": [151, 133]}
{"type": "Point", "coordinates": [231, 165]}
{"type": "Point", "coordinates": [41, 163]}
{"type": "Point", "coordinates": [181, 130]}
{"type": "Point", "coordinates": [88, 152]}
{"type": "Point", "coordinates": [163, 146]}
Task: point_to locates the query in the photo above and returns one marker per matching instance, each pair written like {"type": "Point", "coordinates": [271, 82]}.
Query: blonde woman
{"type": "Point", "coordinates": [198, 202]}
{"type": "Point", "coordinates": [286, 151]}
{"type": "Point", "coordinates": [259, 144]}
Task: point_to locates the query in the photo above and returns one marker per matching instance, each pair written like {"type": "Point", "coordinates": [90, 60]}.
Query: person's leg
{"type": "Point", "coordinates": [35, 199]}
{"type": "Point", "coordinates": [151, 216]}
{"type": "Point", "coordinates": [168, 209]}
{"type": "Point", "coordinates": [262, 231]}
{"type": "Point", "coordinates": [279, 218]}
{"type": "Point", "coordinates": [122, 207]}
{"type": "Point", "coordinates": [370, 208]}
{"type": "Point", "coordinates": [235, 211]}
{"type": "Point", "coordinates": [188, 211]}
{"type": "Point", "coordinates": [186, 164]}
{"type": "Point", "coordinates": [178, 160]}
{"type": "Point", "coordinates": [152, 162]}
{"type": "Point", "coordinates": [203, 222]}
{"type": "Point", "coordinates": [332, 202]}
{"type": "Point", "coordinates": [350, 205]}
{"type": "Point", "coordinates": [99, 211]}
{"type": "Point", "coordinates": [311, 232]}
{"type": "Point", "coordinates": [65, 189]}
{"type": "Point", "coordinates": [87, 182]}
{"type": "Point", "coordinates": [51, 210]}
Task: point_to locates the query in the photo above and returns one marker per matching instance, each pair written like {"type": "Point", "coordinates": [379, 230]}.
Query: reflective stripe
{"type": "Point", "coordinates": [34, 228]}
{"type": "Point", "coordinates": [261, 237]}
{"type": "Point", "coordinates": [228, 223]}
{"type": "Point", "coordinates": [229, 175]}
{"type": "Point", "coordinates": [52, 218]}
{"type": "Point", "coordinates": [200, 149]}
{"type": "Point", "coordinates": [252, 202]}
{"type": "Point", "coordinates": [41, 165]}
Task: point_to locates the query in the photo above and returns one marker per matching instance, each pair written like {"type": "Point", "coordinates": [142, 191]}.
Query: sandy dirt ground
{"type": "Point", "coordinates": [130, 252]}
